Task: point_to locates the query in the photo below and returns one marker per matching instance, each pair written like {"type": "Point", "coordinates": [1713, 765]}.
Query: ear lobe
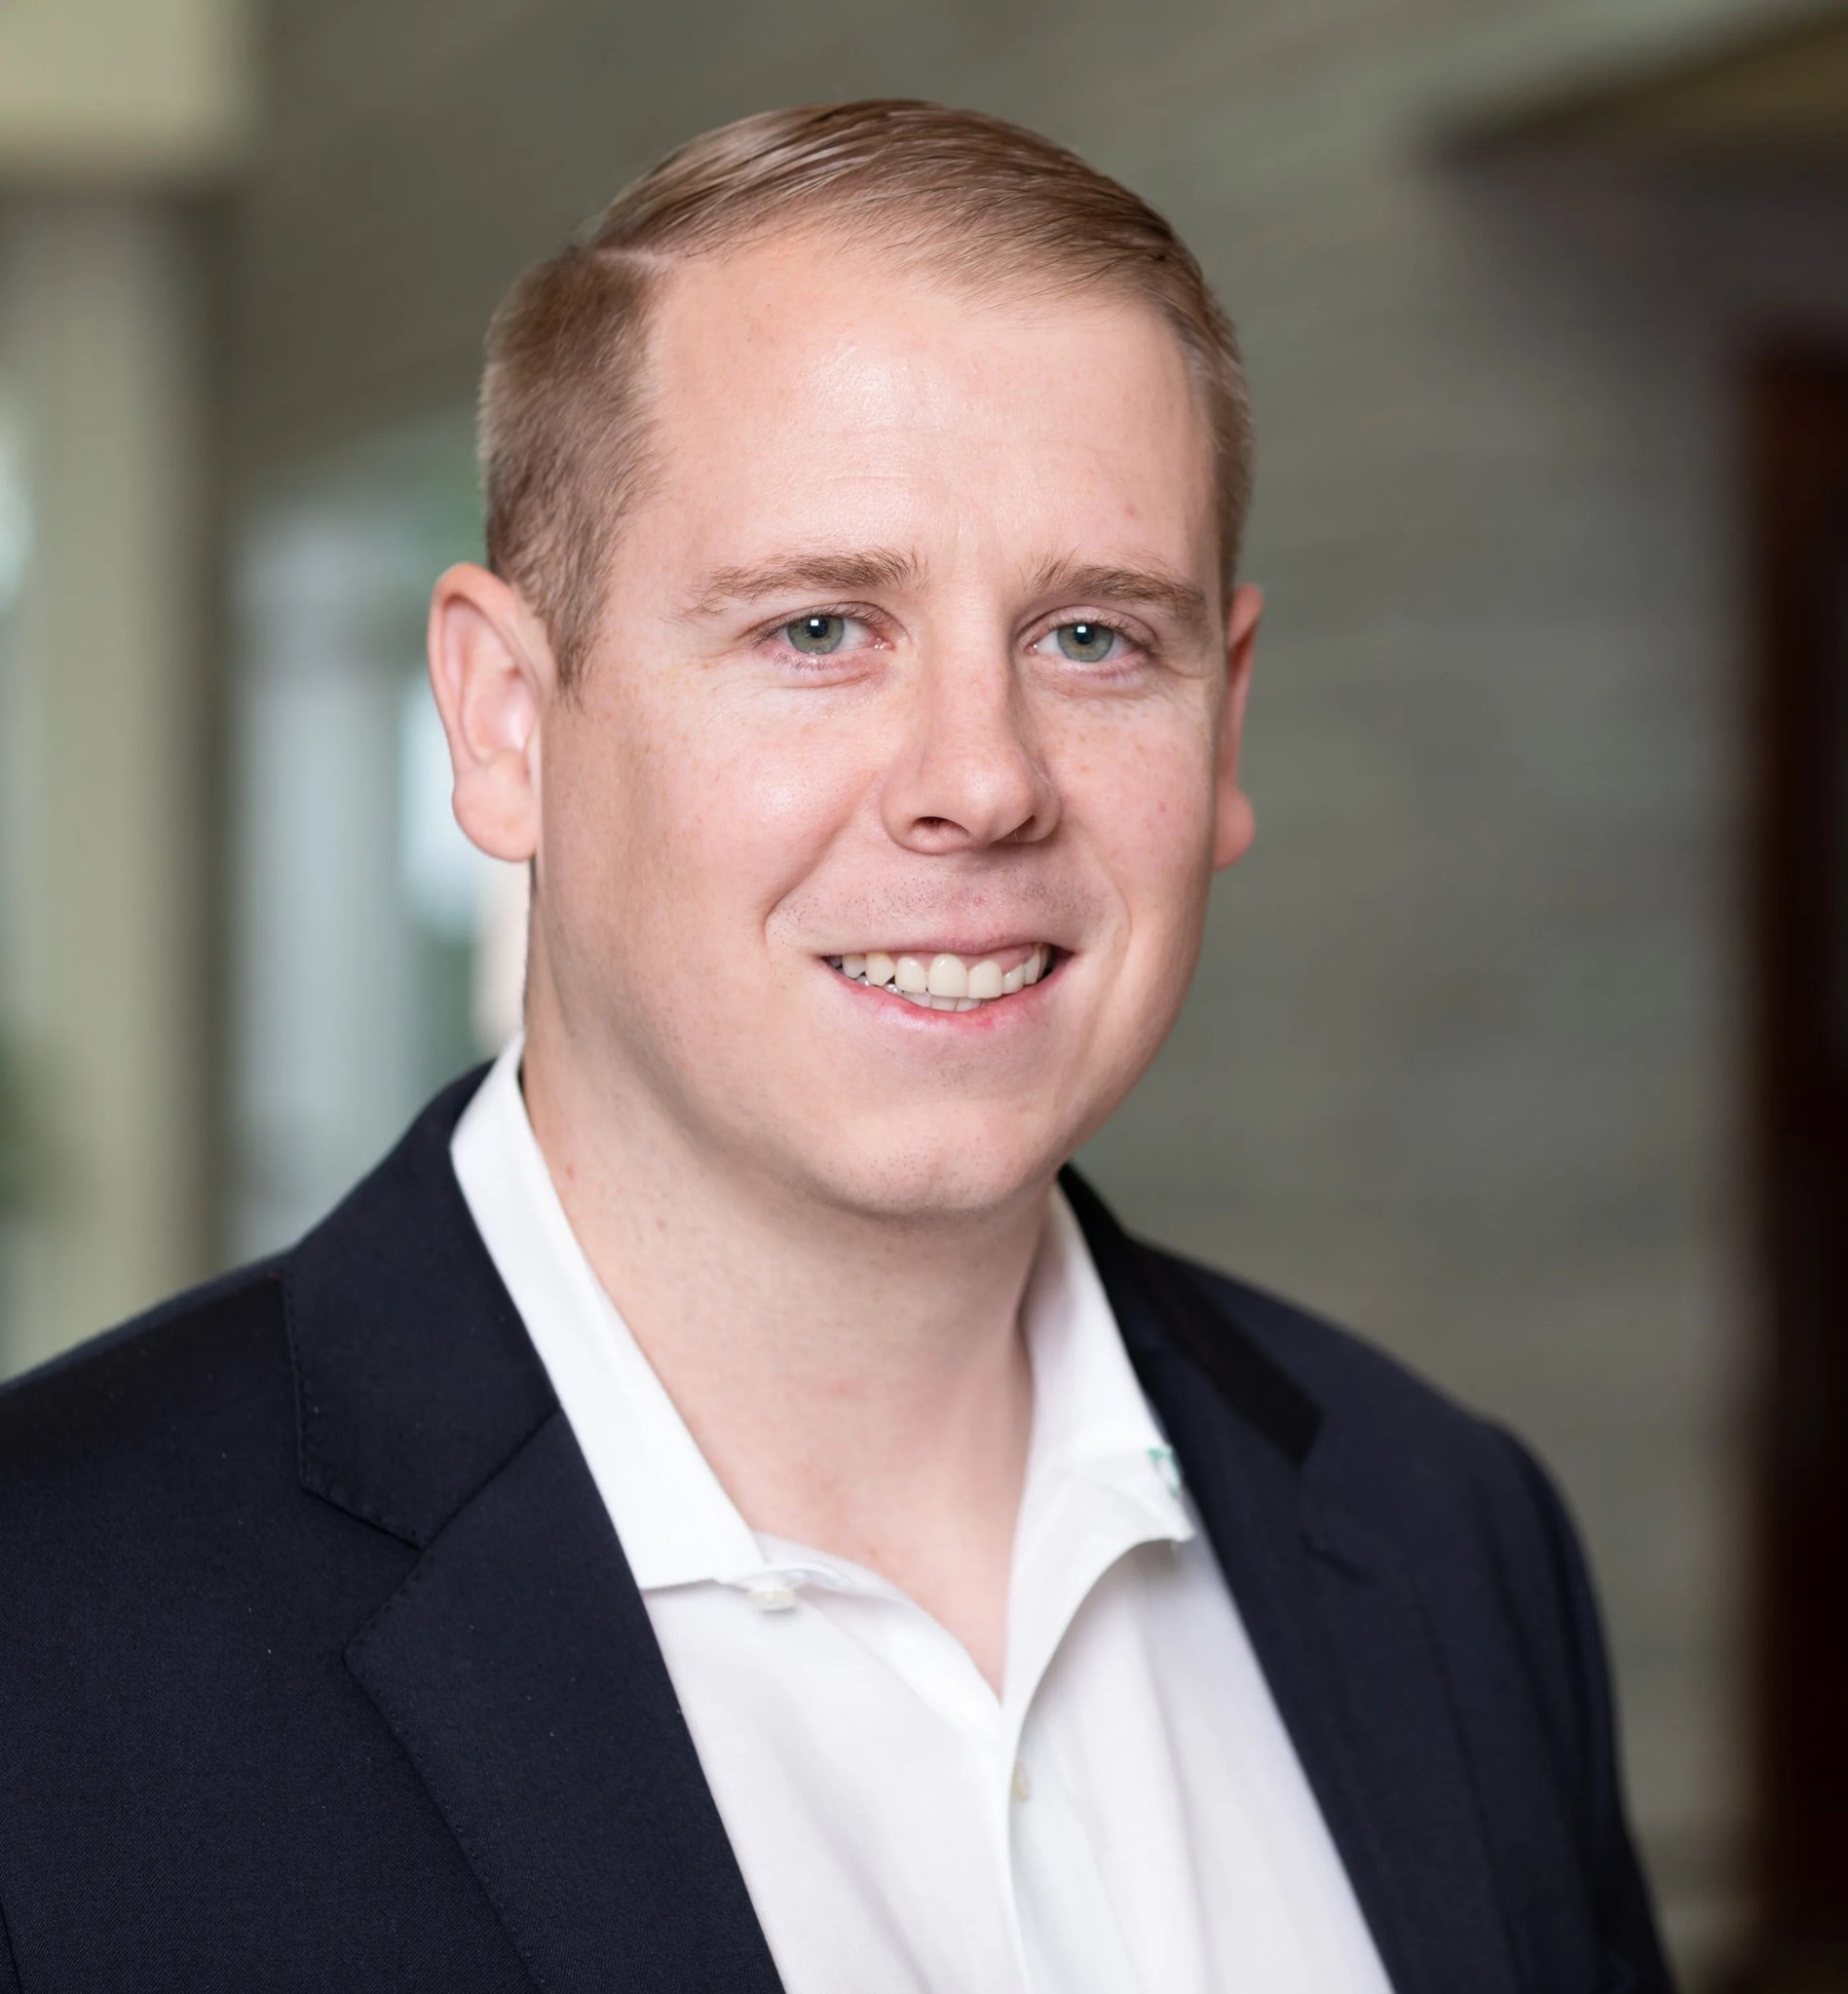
{"type": "Point", "coordinates": [489, 666]}
{"type": "Point", "coordinates": [1236, 822]}
{"type": "Point", "coordinates": [1234, 827]}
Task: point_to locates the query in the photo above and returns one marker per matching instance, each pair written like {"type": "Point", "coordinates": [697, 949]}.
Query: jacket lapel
{"type": "Point", "coordinates": [516, 1666]}
{"type": "Point", "coordinates": [1333, 1617]}
{"type": "Point", "coordinates": [518, 1671]}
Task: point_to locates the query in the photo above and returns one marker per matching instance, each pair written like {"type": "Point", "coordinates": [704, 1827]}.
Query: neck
{"type": "Point", "coordinates": [858, 1383]}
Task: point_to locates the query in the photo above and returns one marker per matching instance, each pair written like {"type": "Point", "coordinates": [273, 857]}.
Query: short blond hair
{"type": "Point", "coordinates": [562, 431]}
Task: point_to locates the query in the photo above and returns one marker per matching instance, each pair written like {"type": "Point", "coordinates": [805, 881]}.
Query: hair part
{"type": "Point", "coordinates": [563, 430]}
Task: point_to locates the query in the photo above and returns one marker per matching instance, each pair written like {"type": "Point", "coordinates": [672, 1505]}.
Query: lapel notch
{"type": "Point", "coordinates": [519, 1670]}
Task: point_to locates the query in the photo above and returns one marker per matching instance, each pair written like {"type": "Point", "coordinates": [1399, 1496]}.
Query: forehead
{"type": "Point", "coordinates": [806, 386]}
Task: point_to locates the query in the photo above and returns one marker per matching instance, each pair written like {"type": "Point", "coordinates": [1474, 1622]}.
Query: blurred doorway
{"type": "Point", "coordinates": [1797, 443]}
{"type": "Point", "coordinates": [369, 938]}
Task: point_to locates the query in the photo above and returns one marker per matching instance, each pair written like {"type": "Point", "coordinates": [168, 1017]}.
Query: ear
{"type": "Point", "coordinates": [1234, 822]}
{"type": "Point", "coordinates": [490, 669]}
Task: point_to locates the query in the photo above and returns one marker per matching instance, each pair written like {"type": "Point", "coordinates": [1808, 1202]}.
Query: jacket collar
{"type": "Point", "coordinates": [414, 1376]}
{"type": "Point", "coordinates": [1162, 1317]}
{"type": "Point", "coordinates": [401, 1441]}
{"type": "Point", "coordinates": [519, 1670]}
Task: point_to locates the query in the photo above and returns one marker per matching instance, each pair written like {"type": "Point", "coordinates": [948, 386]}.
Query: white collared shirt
{"type": "Point", "coordinates": [1127, 1817]}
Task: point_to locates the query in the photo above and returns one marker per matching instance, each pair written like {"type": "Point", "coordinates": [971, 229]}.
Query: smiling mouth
{"type": "Point", "coordinates": [946, 982]}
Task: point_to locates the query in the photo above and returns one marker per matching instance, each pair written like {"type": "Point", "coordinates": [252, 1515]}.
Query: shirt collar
{"type": "Point", "coordinates": [1094, 1439]}
{"type": "Point", "coordinates": [1089, 1411]}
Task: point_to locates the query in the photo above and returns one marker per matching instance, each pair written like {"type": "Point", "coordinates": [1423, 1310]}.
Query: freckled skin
{"type": "Point", "coordinates": [722, 810]}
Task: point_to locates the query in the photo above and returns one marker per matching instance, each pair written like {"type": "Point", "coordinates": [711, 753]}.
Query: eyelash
{"type": "Point", "coordinates": [863, 613]}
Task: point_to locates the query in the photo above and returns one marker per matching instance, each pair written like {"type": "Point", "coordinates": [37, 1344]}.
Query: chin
{"type": "Point", "coordinates": [954, 1177]}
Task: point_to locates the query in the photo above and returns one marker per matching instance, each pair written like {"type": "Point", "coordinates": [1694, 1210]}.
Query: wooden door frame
{"type": "Point", "coordinates": [1795, 407]}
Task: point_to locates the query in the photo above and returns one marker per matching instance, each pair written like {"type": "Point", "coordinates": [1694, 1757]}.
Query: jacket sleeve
{"type": "Point", "coordinates": [1626, 1916]}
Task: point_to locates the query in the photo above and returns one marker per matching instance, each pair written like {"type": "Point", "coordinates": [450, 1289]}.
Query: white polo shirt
{"type": "Point", "coordinates": [1127, 1817]}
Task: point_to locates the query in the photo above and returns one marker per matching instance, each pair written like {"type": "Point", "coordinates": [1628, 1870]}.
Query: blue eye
{"type": "Point", "coordinates": [817, 635]}
{"type": "Point", "coordinates": [1086, 643]}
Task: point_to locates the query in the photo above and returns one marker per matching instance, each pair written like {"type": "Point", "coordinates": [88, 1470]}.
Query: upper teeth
{"type": "Point", "coordinates": [945, 982]}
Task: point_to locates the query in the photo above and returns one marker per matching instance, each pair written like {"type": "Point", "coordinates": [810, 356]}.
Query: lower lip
{"type": "Point", "coordinates": [988, 1017]}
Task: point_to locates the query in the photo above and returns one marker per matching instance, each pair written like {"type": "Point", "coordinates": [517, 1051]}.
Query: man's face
{"type": "Point", "coordinates": [913, 652]}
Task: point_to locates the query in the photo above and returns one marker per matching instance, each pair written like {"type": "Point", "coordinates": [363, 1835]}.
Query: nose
{"type": "Point", "coordinates": [969, 773]}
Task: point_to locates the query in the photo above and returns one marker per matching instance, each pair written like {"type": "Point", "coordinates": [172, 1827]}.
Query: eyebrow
{"type": "Point", "coordinates": [867, 570]}
{"type": "Point", "coordinates": [840, 574]}
{"type": "Point", "coordinates": [1154, 587]}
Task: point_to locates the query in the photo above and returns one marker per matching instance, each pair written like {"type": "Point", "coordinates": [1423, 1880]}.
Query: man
{"type": "Point", "coordinates": [722, 1506]}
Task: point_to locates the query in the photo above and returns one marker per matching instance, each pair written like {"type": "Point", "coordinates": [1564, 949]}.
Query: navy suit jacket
{"type": "Point", "coordinates": [320, 1667]}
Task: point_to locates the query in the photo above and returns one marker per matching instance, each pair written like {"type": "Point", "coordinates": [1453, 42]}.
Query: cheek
{"type": "Point", "coordinates": [1148, 796]}
{"type": "Point", "coordinates": [691, 815]}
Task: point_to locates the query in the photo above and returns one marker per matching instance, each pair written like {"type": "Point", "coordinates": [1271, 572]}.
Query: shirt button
{"type": "Point", "coordinates": [771, 1595]}
{"type": "Point", "coordinates": [1021, 1786]}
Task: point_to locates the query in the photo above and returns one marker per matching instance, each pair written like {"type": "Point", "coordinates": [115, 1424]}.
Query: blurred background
{"type": "Point", "coordinates": [1521, 1041]}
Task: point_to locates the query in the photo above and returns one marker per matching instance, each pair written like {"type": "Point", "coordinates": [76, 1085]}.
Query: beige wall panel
{"type": "Point", "coordinates": [109, 968]}
{"type": "Point", "coordinates": [110, 88]}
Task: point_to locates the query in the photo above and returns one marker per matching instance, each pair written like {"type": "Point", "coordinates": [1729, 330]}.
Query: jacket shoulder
{"type": "Point", "coordinates": [1464, 1503]}
{"type": "Point", "coordinates": [174, 1382]}
{"type": "Point", "coordinates": [1474, 1516]}
{"type": "Point", "coordinates": [1343, 1369]}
